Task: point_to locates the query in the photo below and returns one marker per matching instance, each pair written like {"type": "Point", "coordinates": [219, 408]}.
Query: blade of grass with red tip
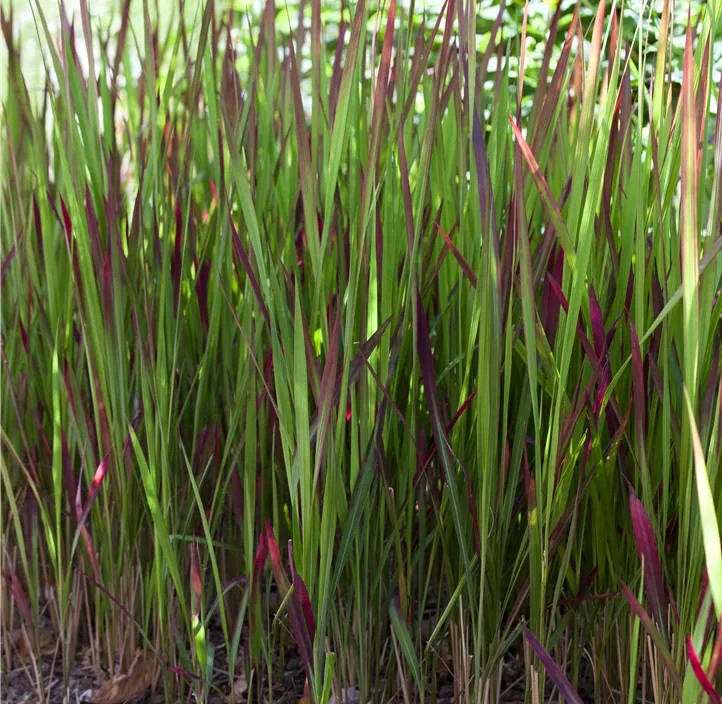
{"type": "Point", "coordinates": [550, 203]}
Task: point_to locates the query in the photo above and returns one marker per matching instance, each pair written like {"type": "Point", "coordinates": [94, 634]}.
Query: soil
{"type": "Point", "coordinates": [18, 687]}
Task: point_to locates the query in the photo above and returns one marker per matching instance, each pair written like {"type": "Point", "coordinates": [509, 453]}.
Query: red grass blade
{"type": "Point", "coordinates": [259, 562]}
{"type": "Point", "coordinates": [700, 674]}
{"type": "Point", "coordinates": [465, 267]}
{"type": "Point", "coordinates": [95, 487]}
{"type": "Point", "coordinates": [298, 604]}
{"type": "Point", "coordinates": [196, 585]}
{"type": "Point", "coordinates": [716, 658]}
{"type": "Point", "coordinates": [276, 564]}
{"type": "Point", "coordinates": [552, 94]}
{"type": "Point", "coordinates": [545, 193]}
{"type": "Point", "coordinates": [301, 615]}
{"type": "Point", "coordinates": [688, 221]}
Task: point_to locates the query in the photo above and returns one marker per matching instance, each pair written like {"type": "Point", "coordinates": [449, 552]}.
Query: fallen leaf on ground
{"type": "Point", "coordinates": [14, 637]}
{"type": "Point", "coordinates": [25, 645]}
{"type": "Point", "coordinates": [306, 699]}
{"type": "Point", "coordinates": [123, 687]}
{"type": "Point", "coordinates": [348, 696]}
{"type": "Point", "coordinates": [240, 686]}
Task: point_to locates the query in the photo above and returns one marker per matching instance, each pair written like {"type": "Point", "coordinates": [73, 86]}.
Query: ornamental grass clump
{"type": "Point", "coordinates": [363, 352]}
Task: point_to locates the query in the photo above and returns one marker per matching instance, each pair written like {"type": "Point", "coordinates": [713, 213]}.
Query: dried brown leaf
{"type": "Point", "coordinates": [46, 644]}
{"type": "Point", "coordinates": [120, 688]}
{"type": "Point", "coordinates": [240, 686]}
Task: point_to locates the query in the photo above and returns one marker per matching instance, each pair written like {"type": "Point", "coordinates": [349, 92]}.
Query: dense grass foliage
{"type": "Point", "coordinates": [378, 324]}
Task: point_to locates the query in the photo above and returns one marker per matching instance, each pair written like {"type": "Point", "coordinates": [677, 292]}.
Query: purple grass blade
{"type": "Point", "coordinates": [462, 409]}
{"type": "Point", "coordinates": [231, 91]}
{"type": "Point", "coordinates": [247, 267]}
{"type": "Point", "coordinates": [175, 266]}
{"type": "Point", "coordinates": [326, 391]}
{"type": "Point", "coordinates": [406, 191]}
{"type": "Point", "coordinates": [557, 292]}
{"type": "Point", "coordinates": [96, 246]}
{"type": "Point", "coordinates": [638, 387]}
{"type": "Point", "coordinates": [237, 496]}
{"type": "Point", "coordinates": [202, 279]}
{"type": "Point", "coordinates": [597, 320]}
{"type": "Point", "coordinates": [16, 589]}
{"type": "Point", "coordinates": [649, 556]}
{"type": "Point", "coordinates": [107, 287]}
{"type": "Point", "coordinates": [655, 635]}
{"type": "Point", "coordinates": [550, 306]}
{"type": "Point", "coordinates": [38, 227]}
{"type": "Point", "coordinates": [426, 362]}
{"type": "Point", "coordinates": [300, 594]}
{"type": "Point", "coordinates": [72, 251]}
{"type": "Point", "coordinates": [10, 256]}
{"type": "Point", "coordinates": [553, 670]}
{"type": "Point", "coordinates": [71, 485]}
{"type": "Point", "coordinates": [465, 267]}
